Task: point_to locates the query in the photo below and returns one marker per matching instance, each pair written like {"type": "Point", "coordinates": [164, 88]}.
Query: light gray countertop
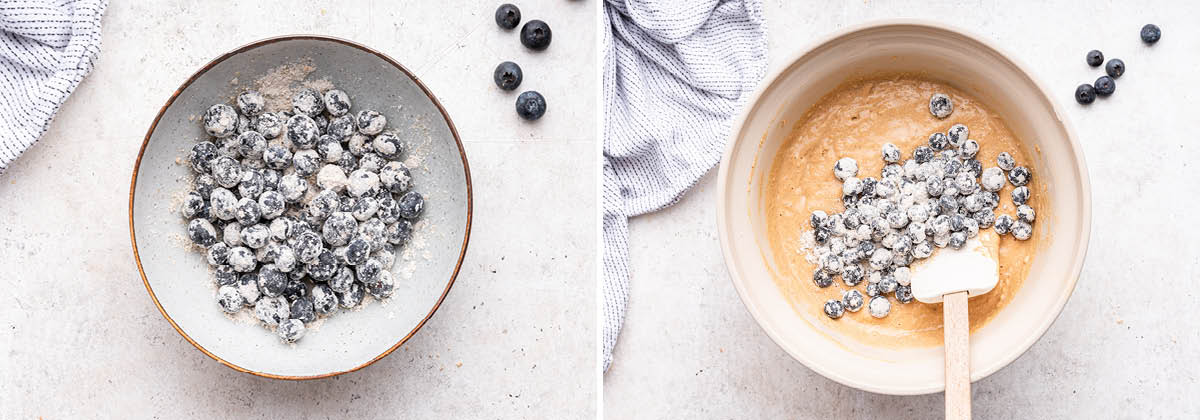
{"type": "Point", "coordinates": [79, 336]}
{"type": "Point", "coordinates": [1126, 344]}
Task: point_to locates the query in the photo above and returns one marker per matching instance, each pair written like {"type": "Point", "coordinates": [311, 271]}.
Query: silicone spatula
{"type": "Point", "coordinates": [951, 276]}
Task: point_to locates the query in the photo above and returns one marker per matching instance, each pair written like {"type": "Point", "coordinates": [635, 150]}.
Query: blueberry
{"type": "Point", "coordinates": [852, 300]}
{"type": "Point", "coordinates": [1020, 195]}
{"type": "Point", "coordinates": [531, 105]}
{"type": "Point", "coordinates": [508, 16]}
{"type": "Point", "coordinates": [1025, 213]}
{"type": "Point", "coordinates": [271, 281]}
{"type": "Point", "coordinates": [879, 306]}
{"type": "Point", "coordinates": [277, 157]}
{"type": "Point", "coordinates": [226, 275]}
{"type": "Point", "coordinates": [873, 289]}
{"type": "Point", "coordinates": [1019, 176]}
{"type": "Point", "coordinates": [290, 330]}
{"type": "Point", "coordinates": [923, 154]}
{"type": "Point", "coordinates": [303, 310]}
{"type": "Point", "coordinates": [1095, 58]}
{"type": "Point", "coordinates": [891, 153]}
{"type": "Point", "coordinates": [230, 299]}
{"type": "Point", "coordinates": [957, 134]}
{"type": "Point", "coordinates": [1115, 68]}
{"type": "Point", "coordinates": [968, 149]}
{"type": "Point", "coordinates": [984, 218]}
{"type": "Point", "coordinates": [351, 297]}
{"type": "Point", "coordinates": [1151, 33]}
{"type": "Point", "coordinates": [302, 131]}
{"type": "Point", "coordinates": [220, 121]}
{"type": "Point", "coordinates": [337, 103]}
{"type": "Point", "coordinates": [940, 106]}
{"type": "Point", "coordinates": [958, 239]}
{"type": "Point", "coordinates": [934, 187]}
{"type": "Point", "coordinates": [295, 290]}
{"type": "Point", "coordinates": [821, 235]}
{"type": "Point", "coordinates": [904, 294]}
{"type": "Point", "coordinates": [535, 35]}
{"type": "Point", "coordinates": [1105, 86]}
{"type": "Point", "coordinates": [382, 286]}
{"type": "Point", "coordinates": [887, 283]}
{"type": "Point", "coordinates": [833, 308]}
{"type": "Point", "coordinates": [202, 155]}
{"type": "Point", "coordinates": [324, 267]}
{"type": "Point", "coordinates": [891, 170]}
{"type": "Point", "coordinates": [411, 204]}
{"type": "Point", "coordinates": [1003, 224]}
{"type": "Point", "coordinates": [251, 103]}
{"type": "Point", "coordinates": [201, 232]}
{"type": "Point", "coordinates": [370, 122]}
{"type": "Point", "coordinates": [1022, 230]}
{"type": "Point", "coordinates": [852, 274]}
{"type": "Point", "coordinates": [269, 125]}
{"type": "Point", "coordinates": [1006, 161]}
{"type": "Point", "coordinates": [1085, 94]}
{"type": "Point", "coordinates": [507, 75]}
{"type": "Point", "coordinates": [308, 102]}
{"type": "Point", "coordinates": [938, 141]}
{"type": "Point", "coordinates": [822, 278]}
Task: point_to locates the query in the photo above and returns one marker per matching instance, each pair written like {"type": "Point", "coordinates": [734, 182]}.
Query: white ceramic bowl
{"type": "Point", "coordinates": [179, 280]}
{"type": "Point", "coordinates": [965, 62]}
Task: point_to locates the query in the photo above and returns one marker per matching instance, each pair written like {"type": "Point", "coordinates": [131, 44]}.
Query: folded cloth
{"type": "Point", "coordinates": [46, 48]}
{"type": "Point", "coordinates": [675, 73]}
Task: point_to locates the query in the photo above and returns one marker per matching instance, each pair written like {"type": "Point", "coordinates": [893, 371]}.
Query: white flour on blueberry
{"type": "Point", "coordinates": [939, 196]}
{"type": "Point", "coordinates": [259, 239]}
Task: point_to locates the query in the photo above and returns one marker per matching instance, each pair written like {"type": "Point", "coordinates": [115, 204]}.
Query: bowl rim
{"type": "Point", "coordinates": [267, 41]}
{"type": "Point", "coordinates": [725, 187]}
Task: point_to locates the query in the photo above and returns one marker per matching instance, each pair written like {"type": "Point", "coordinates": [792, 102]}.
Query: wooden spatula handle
{"type": "Point", "coordinates": [958, 356]}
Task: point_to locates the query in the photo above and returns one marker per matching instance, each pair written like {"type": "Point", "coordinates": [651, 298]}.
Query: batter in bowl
{"type": "Point", "coordinates": [856, 120]}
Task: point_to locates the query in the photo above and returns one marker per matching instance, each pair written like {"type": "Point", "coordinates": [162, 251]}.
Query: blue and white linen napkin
{"type": "Point", "coordinates": [46, 48]}
{"type": "Point", "coordinates": [675, 74]}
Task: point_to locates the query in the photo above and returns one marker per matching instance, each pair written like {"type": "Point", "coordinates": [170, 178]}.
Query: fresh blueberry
{"type": "Point", "coordinates": [1151, 33]}
{"type": "Point", "coordinates": [1020, 195]}
{"type": "Point", "coordinates": [940, 106]}
{"type": "Point", "coordinates": [1105, 86]}
{"type": "Point", "coordinates": [1085, 94]}
{"type": "Point", "coordinates": [822, 278]}
{"type": "Point", "coordinates": [535, 35]}
{"type": "Point", "coordinates": [923, 154]}
{"type": "Point", "coordinates": [1115, 68]}
{"type": "Point", "coordinates": [1003, 224]}
{"type": "Point", "coordinates": [852, 300]}
{"type": "Point", "coordinates": [531, 105]}
{"type": "Point", "coordinates": [1019, 176]}
{"type": "Point", "coordinates": [303, 310]}
{"type": "Point", "coordinates": [507, 75]}
{"type": "Point", "coordinates": [938, 141]}
{"type": "Point", "coordinates": [904, 294]}
{"type": "Point", "coordinates": [834, 309]}
{"type": "Point", "coordinates": [1095, 58]}
{"type": "Point", "coordinates": [508, 16]}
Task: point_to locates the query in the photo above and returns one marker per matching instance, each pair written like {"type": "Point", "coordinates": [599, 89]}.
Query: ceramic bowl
{"type": "Point", "coordinates": [949, 56]}
{"type": "Point", "coordinates": [179, 280]}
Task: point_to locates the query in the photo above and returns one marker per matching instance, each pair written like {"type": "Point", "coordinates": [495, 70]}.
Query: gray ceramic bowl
{"type": "Point", "coordinates": [179, 280]}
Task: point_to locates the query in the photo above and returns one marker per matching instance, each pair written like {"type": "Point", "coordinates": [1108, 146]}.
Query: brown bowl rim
{"type": "Point", "coordinates": [461, 152]}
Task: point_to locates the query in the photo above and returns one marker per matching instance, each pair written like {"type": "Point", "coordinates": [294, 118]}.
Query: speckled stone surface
{"type": "Point", "coordinates": [1124, 346]}
{"type": "Point", "coordinates": [79, 336]}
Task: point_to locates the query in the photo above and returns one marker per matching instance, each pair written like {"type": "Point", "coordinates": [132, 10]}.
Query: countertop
{"type": "Point", "coordinates": [1125, 346]}
{"type": "Point", "coordinates": [80, 338]}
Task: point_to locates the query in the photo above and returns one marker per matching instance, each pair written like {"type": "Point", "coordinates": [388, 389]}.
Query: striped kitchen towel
{"type": "Point", "coordinates": [675, 73]}
{"type": "Point", "coordinates": [46, 48]}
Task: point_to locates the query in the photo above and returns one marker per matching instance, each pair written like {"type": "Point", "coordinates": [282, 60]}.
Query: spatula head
{"type": "Point", "coordinates": [974, 268]}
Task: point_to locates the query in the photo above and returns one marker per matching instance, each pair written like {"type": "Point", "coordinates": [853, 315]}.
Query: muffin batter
{"type": "Point", "coordinates": [855, 120]}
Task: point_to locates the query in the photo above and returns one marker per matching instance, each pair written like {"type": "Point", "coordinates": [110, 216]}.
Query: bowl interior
{"type": "Point", "coordinates": [180, 279]}
{"type": "Point", "coordinates": [959, 61]}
